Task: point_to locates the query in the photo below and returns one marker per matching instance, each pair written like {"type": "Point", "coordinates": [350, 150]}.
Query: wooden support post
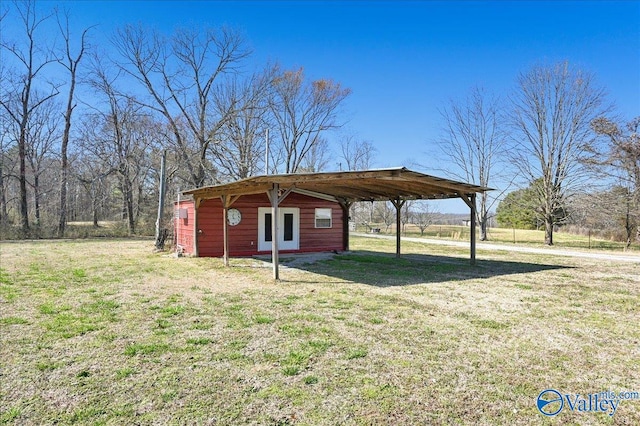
{"type": "Point", "coordinates": [225, 229]}
{"type": "Point", "coordinates": [398, 224]}
{"type": "Point", "coordinates": [473, 229]}
{"type": "Point", "coordinates": [346, 206]}
{"type": "Point", "coordinates": [470, 200]}
{"type": "Point", "coordinates": [398, 205]}
{"type": "Point", "coordinates": [275, 201]}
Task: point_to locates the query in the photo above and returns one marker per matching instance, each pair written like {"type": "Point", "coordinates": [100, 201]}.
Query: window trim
{"type": "Point", "coordinates": [323, 217]}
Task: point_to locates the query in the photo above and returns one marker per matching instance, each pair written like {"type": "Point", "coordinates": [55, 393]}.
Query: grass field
{"type": "Point", "coordinates": [511, 236]}
{"type": "Point", "coordinates": [108, 332]}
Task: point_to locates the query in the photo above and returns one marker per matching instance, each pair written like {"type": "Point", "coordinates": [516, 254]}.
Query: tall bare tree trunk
{"type": "Point", "coordinates": [483, 229]}
{"type": "Point", "coordinates": [160, 231]}
{"type": "Point", "coordinates": [127, 191]}
{"type": "Point", "coordinates": [483, 217]}
{"type": "Point", "coordinates": [71, 64]}
{"type": "Point", "coordinates": [3, 199]}
{"type": "Point", "coordinates": [36, 199]}
{"type": "Point", "coordinates": [62, 222]}
{"type": "Point", "coordinates": [628, 222]}
{"type": "Point", "coordinates": [22, 178]}
{"type": "Point", "coordinates": [95, 217]}
{"type": "Point", "coordinates": [548, 230]}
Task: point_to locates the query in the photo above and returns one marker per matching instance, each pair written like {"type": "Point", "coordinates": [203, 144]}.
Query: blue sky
{"type": "Point", "coordinates": [404, 59]}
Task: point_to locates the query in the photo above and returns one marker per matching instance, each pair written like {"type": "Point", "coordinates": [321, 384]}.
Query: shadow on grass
{"type": "Point", "coordinates": [384, 270]}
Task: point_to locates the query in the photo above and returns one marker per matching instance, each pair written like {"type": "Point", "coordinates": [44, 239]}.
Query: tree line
{"type": "Point", "coordinates": [608, 204]}
{"type": "Point", "coordinates": [558, 142]}
{"type": "Point", "coordinates": [83, 128]}
{"type": "Point", "coordinates": [92, 154]}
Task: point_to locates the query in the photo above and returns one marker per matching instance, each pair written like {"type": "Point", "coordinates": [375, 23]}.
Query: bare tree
{"type": "Point", "coordinates": [182, 76]}
{"type": "Point", "coordinates": [357, 154]}
{"type": "Point", "coordinates": [6, 145]}
{"type": "Point", "coordinates": [119, 136]}
{"type": "Point", "coordinates": [43, 132]}
{"type": "Point", "coordinates": [386, 213]}
{"type": "Point", "coordinates": [70, 62]}
{"type": "Point", "coordinates": [423, 215]}
{"type": "Point", "coordinates": [474, 142]}
{"type": "Point", "coordinates": [239, 152]}
{"type": "Point", "coordinates": [302, 112]}
{"type": "Point", "coordinates": [317, 158]}
{"type": "Point", "coordinates": [92, 175]}
{"type": "Point", "coordinates": [19, 98]}
{"type": "Point", "coordinates": [406, 214]}
{"type": "Point", "coordinates": [552, 110]}
{"type": "Point", "coordinates": [620, 160]}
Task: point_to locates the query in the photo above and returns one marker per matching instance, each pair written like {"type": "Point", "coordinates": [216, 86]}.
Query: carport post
{"type": "Point", "coordinates": [473, 229]}
{"type": "Point", "coordinates": [225, 230]}
{"type": "Point", "coordinates": [398, 204]}
{"type": "Point", "coordinates": [346, 206]}
{"type": "Point", "coordinates": [273, 196]}
{"type": "Point", "coordinates": [470, 200]}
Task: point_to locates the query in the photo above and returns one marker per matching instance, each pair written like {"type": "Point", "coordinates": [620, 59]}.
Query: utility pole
{"type": "Point", "coordinates": [161, 233]}
{"type": "Point", "coordinates": [266, 152]}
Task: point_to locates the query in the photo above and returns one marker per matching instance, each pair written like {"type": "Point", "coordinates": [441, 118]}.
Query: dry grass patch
{"type": "Point", "coordinates": [527, 237]}
{"type": "Point", "coordinates": [106, 332]}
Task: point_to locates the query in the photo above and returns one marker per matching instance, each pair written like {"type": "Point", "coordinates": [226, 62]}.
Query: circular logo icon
{"type": "Point", "coordinates": [550, 402]}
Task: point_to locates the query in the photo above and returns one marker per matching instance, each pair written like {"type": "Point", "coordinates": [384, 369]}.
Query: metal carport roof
{"type": "Point", "coordinates": [367, 185]}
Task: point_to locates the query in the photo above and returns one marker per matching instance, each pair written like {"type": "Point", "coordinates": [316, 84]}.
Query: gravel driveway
{"type": "Point", "coordinates": [626, 257]}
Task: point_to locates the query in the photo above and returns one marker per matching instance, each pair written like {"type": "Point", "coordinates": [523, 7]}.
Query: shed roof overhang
{"type": "Point", "coordinates": [350, 186]}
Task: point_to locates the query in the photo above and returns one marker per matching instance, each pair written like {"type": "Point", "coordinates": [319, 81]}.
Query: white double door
{"type": "Point", "coordinates": [288, 228]}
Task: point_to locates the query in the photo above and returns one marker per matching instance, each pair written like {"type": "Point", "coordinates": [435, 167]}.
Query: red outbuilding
{"type": "Point", "coordinates": [308, 223]}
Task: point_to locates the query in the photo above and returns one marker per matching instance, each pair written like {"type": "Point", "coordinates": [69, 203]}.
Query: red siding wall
{"type": "Point", "coordinates": [183, 228]}
{"type": "Point", "coordinates": [243, 238]}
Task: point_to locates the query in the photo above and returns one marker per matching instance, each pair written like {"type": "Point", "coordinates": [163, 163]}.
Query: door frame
{"type": "Point", "coordinates": [282, 245]}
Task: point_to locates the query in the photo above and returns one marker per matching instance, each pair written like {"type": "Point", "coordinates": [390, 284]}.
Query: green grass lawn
{"type": "Point", "coordinates": [511, 236]}
{"type": "Point", "coordinates": [108, 332]}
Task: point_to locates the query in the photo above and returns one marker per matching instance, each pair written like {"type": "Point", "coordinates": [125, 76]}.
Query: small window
{"type": "Point", "coordinates": [267, 227]}
{"type": "Point", "coordinates": [323, 218]}
{"type": "Point", "coordinates": [288, 226]}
